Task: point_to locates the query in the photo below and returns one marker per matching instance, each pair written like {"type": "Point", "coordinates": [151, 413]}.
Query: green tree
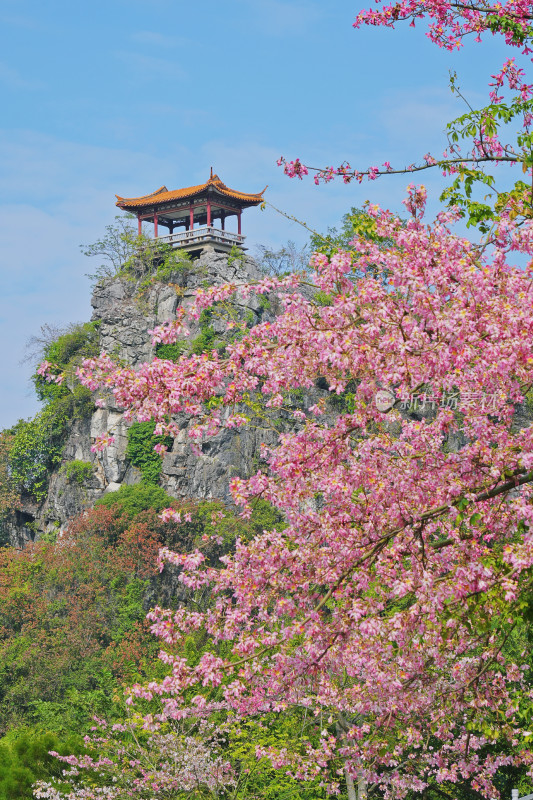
{"type": "Point", "coordinates": [25, 758]}
{"type": "Point", "coordinates": [356, 222]}
{"type": "Point", "coordinates": [125, 253]}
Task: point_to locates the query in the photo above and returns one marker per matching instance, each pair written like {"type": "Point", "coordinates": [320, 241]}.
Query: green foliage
{"type": "Point", "coordinates": [515, 32]}
{"type": "Point", "coordinates": [72, 613]}
{"type": "Point", "coordinates": [51, 535]}
{"type": "Point", "coordinates": [141, 453]}
{"type": "Point", "coordinates": [36, 447]}
{"type": "Point", "coordinates": [66, 354]}
{"type": "Point", "coordinates": [322, 298]}
{"type": "Point", "coordinates": [72, 616]}
{"type": "Point", "coordinates": [139, 258]}
{"type": "Point", "coordinates": [264, 302]}
{"type": "Point", "coordinates": [206, 341]}
{"type": "Point", "coordinates": [459, 194]}
{"type": "Point", "coordinates": [77, 471]}
{"type": "Point", "coordinates": [343, 403]}
{"type": "Point", "coordinates": [25, 759]}
{"type": "Point", "coordinates": [75, 710]}
{"type": "Point", "coordinates": [209, 517]}
{"type": "Point", "coordinates": [114, 248]}
{"type": "Point", "coordinates": [170, 352]}
{"type": "Point", "coordinates": [132, 500]}
{"type": "Point", "coordinates": [482, 124]}
{"type": "Point", "coordinates": [258, 779]}
{"type": "Point", "coordinates": [9, 496]}
{"type": "Point", "coordinates": [265, 517]}
{"type": "Point", "coordinates": [355, 222]}
{"type": "Point", "coordinates": [155, 262]}
{"type": "Point", "coordinates": [236, 255]}
{"type": "Point", "coordinates": [518, 200]}
{"type": "Point", "coordinates": [214, 519]}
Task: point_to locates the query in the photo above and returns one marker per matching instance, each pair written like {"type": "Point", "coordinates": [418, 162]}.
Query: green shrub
{"type": "Point", "coordinates": [171, 261]}
{"type": "Point", "coordinates": [77, 471]}
{"type": "Point", "coordinates": [264, 517]}
{"type": "Point", "coordinates": [134, 257]}
{"type": "Point", "coordinates": [36, 448]}
{"type": "Point", "coordinates": [153, 261]}
{"type": "Point", "coordinates": [170, 352]}
{"type": "Point", "coordinates": [36, 445]}
{"type": "Point", "coordinates": [207, 339]}
{"type": "Point", "coordinates": [131, 500]}
{"type": "Point", "coordinates": [66, 353]}
{"type": "Point", "coordinates": [236, 255]}
{"type": "Point", "coordinates": [322, 298]}
{"type": "Point", "coordinates": [141, 453]}
{"type": "Point", "coordinates": [264, 302]}
{"type": "Point", "coordinates": [25, 759]}
{"type": "Point", "coordinates": [204, 342]}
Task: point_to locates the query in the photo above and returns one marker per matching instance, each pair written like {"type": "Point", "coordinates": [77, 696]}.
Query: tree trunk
{"type": "Point", "coordinates": [350, 785]}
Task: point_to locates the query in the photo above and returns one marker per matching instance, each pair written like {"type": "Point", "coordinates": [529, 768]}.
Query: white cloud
{"type": "Point", "coordinates": [18, 20]}
{"type": "Point", "coordinates": [185, 115]}
{"type": "Point", "coordinates": [149, 67]}
{"type": "Point", "coordinates": [282, 18]}
{"type": "Point", "coordinates": [157, 39]}
{"type": "Point", "coordinates": [14, 79]}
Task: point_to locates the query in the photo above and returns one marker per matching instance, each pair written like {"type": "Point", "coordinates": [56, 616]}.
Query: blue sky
{"type": "Point", "coordinates": [122, 96]}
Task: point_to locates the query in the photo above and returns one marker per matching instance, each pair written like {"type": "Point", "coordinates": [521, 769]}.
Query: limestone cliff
{"type": "Point", "coordinates": [125, 316]}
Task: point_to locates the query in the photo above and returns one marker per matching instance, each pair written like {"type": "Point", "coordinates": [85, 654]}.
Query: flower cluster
{"type": "Point", "coordinates": [449, 24]}
{"type": "Point", "coordinates": [387, 598]}
{"type": "Point", "coordinates": [165, 763]}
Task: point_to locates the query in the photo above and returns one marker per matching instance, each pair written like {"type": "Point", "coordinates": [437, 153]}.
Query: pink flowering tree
{"type": "Point", "coordinates": [390, 607]}
{"type": "Point", "coordinates": [141, 759]}
{"type": "Point", "coordinates": [500, 133]}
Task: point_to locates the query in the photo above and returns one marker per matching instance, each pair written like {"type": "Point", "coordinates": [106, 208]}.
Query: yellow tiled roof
{"type": "Point", "coordinates": [162, 195]}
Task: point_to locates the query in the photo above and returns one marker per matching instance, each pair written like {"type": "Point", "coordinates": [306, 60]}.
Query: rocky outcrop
{"type": "Point", "coordinates": [126, 312]}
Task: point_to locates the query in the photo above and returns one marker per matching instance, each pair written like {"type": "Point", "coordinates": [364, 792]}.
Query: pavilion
{"type": "Point", "coordinates": [200, 205]}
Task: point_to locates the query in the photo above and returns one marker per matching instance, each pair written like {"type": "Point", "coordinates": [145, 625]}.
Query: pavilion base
{"type": "Point", "coordinates": [205, 238]}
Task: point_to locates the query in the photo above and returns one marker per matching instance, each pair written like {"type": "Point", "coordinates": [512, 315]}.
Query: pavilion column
{"type": "Point", "coordinates": [139, 225]}
{"type": "Point", "coordinates": [191, 217]}
{"type": "Point", "coordinates": [239, 223]}
{"type": "Point", "coordinates": [209, 213]}
{"type": "Point", "coordinates": [155, 224]}
{"type": "Point", "coordinates": [171, 228]}
{"type": "Point", "coordinates": [223, 220]}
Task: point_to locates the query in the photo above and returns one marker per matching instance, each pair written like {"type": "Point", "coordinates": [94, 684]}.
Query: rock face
{"type": "Point", "coordinates": [126, 313]}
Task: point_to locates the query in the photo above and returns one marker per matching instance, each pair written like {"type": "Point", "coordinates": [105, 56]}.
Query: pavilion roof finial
{"type": "Point", "coordinates": [211, 176]}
